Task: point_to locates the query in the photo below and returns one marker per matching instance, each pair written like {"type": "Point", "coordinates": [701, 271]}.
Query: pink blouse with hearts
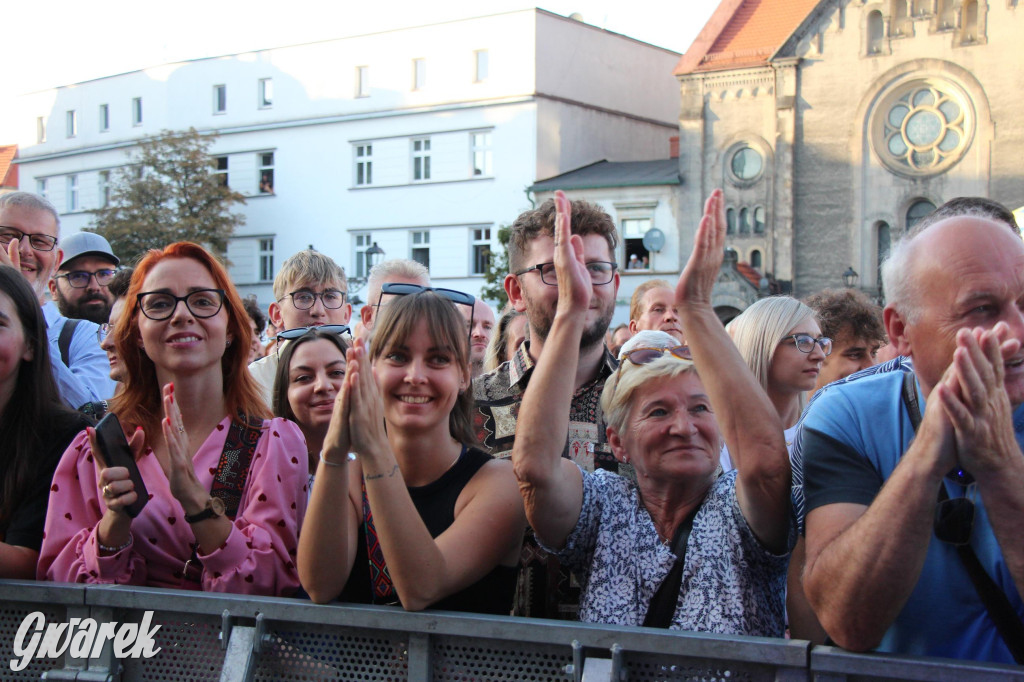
{"type": "Point", "coordinates": [257, 558]}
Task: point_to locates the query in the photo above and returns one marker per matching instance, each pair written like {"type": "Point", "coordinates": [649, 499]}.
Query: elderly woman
{"type": "Point", "coordinates": [685, 547]}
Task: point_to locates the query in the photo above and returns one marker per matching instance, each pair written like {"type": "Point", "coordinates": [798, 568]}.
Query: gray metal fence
{"type": "Point", "coordinates": [235, 637]}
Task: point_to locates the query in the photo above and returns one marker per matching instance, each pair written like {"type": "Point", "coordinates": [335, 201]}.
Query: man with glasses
{"type": "Point", "coordinates": [914, 479]}
{"type": "Point", "coordinates": [80, 285]}
{"type": "Point", "coordinates": [394, 271]}
{"type": "Point", "coordinates": [29, 232]}
{"type": "Point", "coordinates": [310, 290]}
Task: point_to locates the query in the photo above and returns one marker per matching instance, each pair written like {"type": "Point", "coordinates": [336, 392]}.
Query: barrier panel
{"type": "Point", "coordinates": [205, 636]}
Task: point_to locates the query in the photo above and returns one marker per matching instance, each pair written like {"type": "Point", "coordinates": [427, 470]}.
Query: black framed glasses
{"type": "Point", "coordinates": [954, 517]}
{"type": "Point", "coordinates": [202, 303]}
{"type": "Point", "coordinates": [79, 279]}
{"type": "Point", "coordinates": [805, 343]}
{"type": "Point", "coordinates": [39, 242]}
{"type": "Point", "coordinates": [601, 272]}
{"type": "Point", "coordinates": [304, 299]}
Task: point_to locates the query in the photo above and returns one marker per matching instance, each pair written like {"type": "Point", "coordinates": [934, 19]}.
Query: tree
{"type": "Point", "coordinates": [494, 290]}
{"type": "Point", "coordinates": [168, 193]}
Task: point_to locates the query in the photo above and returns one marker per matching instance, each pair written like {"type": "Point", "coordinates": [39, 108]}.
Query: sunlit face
{"type": "Point", "coordinates": [315, 375]}
{"type": "Point", "coordinates": [256, 345]}
{"type": "Point", "coordinates": [659, 313]}
{"type": "Point", "coordinates": [849, 354]}
{"type": "Point", "coordinates": [670, 432]}
{"type": "Point", "coordinates": [483, 329]}
{"type": "Point", "coordinates": [183, 343]}
{"type": "Point", "coordinates": [36, 266]}
{"type": "Point", "coordinates": [792, 370]}
{"type": "Point", "coordinates": [419, 381]}
{"type": "Point", "coordinates": [285, 315]}
{"type": "Point", "coordinates": [539, 300]}
{"type": "Point", "coordinates": [14, 347]}
{"type": "Point", "coordinates": [117, 369]}
{"type": "Point", "coordinates": [91, 302]}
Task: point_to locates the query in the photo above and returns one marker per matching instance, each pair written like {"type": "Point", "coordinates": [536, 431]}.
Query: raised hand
{"type": "Point", "coordinates": [176, 462]}
{"type": "Point", "coordinates": [698, 277]}
{"type": "Point", "coordinates": [337, 443]}
{"type": "Point", "coordinates": [366, 414]}
{"type": "Point", "coordinates": [574, 285]}
{"type": "Point", "coordinates": [12, 255]}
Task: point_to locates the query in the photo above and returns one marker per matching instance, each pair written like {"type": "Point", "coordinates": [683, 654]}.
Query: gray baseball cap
{"type": "Point", "coordinates": [86, 244]}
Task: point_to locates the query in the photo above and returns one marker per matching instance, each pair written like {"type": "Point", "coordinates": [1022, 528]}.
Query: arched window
{"type": "Point", "coordinates": [730, 221]}
{"type": "Point", "coordinates": [759, 220]}
{"type": "Point", "coordinates": [899, 11]}
{"type": "Point", "coordinates": [944, 14]}
{"type": "Point", "coordinates": [883, 241]}
{"type": "Point", "coordinates": [922, 7]}
{"type": "Point", "coordinates": [876, 32]}
{"type": "Point", "coordinates": [919, 209]}
{"type": "Point", "coordinates": [744, 221]}
{"type": "Point", "coordinates": [755, 259]}
{"type": "Point", "coordinates": [970, 30]}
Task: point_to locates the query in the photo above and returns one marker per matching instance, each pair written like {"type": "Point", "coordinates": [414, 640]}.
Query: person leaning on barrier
{"type": "Point", "coordinates": [635, 546]}
{"type": "Point", "coordinates": [35, 426]}
{"type": "Point", "coordinates": [227, 486]}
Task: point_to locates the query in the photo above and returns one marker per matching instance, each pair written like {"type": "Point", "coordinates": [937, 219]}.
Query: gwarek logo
{"type": "Point", "coordinates": [84, 637]}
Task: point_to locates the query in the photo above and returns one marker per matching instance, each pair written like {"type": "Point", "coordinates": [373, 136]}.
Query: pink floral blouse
{"type": "Point", "coordinates": [257, 558]}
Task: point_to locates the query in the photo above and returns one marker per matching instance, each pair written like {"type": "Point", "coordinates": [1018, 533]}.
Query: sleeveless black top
{"type": "Point", "coordinates": [435, 503]}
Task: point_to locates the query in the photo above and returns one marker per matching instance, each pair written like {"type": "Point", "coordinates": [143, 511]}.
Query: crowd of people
{"type": "Point", "coordinates": [770, 477]}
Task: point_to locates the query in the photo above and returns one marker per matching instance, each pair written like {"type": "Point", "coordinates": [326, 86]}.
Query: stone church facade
{"type": "Point", "coordinates": [833, 125]}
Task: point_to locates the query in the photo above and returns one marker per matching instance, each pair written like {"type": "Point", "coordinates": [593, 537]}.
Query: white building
{"type": "Point", "coordinates": [423, 140]}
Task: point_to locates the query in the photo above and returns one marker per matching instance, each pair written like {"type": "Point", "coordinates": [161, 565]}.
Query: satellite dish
{"type": "Point", "coordinates": [654, 240]}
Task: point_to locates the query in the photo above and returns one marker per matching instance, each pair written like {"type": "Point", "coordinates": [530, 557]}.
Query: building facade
{"type": "Point", "coordinates": [421, 140]}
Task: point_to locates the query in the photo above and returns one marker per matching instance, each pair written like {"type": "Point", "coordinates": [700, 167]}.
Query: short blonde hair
{"type": "Point", "coordinates": [620, 386]}
{"type": "Point", "coordinates": [308, 266]}
{"type": "Point", "coordinates": [635, 311]}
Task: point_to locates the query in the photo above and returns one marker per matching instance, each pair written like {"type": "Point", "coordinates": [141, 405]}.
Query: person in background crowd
{"type": "Point", "coordinates": [259, 321]}
{"type": "Point", "coordinates": [271, 335]}
{"type": "Point", "coordinates": [631, 545]}
{"type": "Point", "coordinates": [309, 377]}
{"type": "Point", "coordinates": [29, 231]}
{"type": "Point", "coordinates": [35, 426]}
{"type": "Point", "coordinates": [81, 285]}
{"type": "Point", "coordinates": [482, 318]}
{"type": "Point", "coordinates": [430, 520]}
{"type": "Point", "coordinates": [118, 288]}
{"type": "Point", "coordinates": [399, 270]}
{"type": "Point", "coordinates": [511, 331]}
{"type": "Point", "coordinates": [309, 291]}
{"type": "Point", "coordinates": [653, 306]}
{"type": "Point", "coordinates": [854, 324]}
{"type": "Point", "coordinates": [976, 207]}
{"type": "Point", "coordinates": [913, 474]}
{"type": "Point", "coordinates": [227, 487]}
{"type": "Point", "coordinates": [618, 336]}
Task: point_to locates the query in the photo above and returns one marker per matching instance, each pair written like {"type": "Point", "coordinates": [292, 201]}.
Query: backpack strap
{"type": "Point", "coordinates": [67, 332]}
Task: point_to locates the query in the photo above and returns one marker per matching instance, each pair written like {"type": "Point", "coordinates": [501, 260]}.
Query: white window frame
{"type": "Point", "coordinates": [104, 115]}
{"type": "Point", "coordinates": [265, 264]}
{"type": "Point", "coordinates": [420, 159]}
{"type": "Point", "coordinates": [479, 239]}
{"type": "Point", "coordinates": [136, 111]}
{"type": "Point", "coordinates": [220, 99]}
{"type": "Point", "coordinates": [41, 187]}
{"type": "Point", "coordinates": [265, 93]}
{"type": "Point", "coordinates": [361, 241]}
{"type": "Point", "coordinates": [218, 171]}
{"type": "Point", "coordinates": [624, 231]}
{"type": "Point", "coordinates": [103, 188]}
{"type": "Point", "coordinates": [419, 73]}
{"type": "Point", "coordinates": [262, 167]}
{"type": "Point", "coordinates": [72, 198]}
{"type": "Point", "coordinates": [362, 81]}
{"type": "Point", "coordinates": [481, 66]}
{"type": "Point", "coordinates": [419, 241]}
{"type": "Point", "coordinates": [481, 154]}
{"type": "Point", "coordinates": [72, 123]}
{"type": "Point", "coordinates": [363, 171]}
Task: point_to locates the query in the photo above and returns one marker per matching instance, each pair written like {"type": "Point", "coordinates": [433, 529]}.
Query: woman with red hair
{"type": "Point", "coordinates": [226, 484]}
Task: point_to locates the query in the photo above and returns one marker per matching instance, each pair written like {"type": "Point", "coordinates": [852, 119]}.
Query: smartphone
{"type": "Point", "coordinates": [117, 453]}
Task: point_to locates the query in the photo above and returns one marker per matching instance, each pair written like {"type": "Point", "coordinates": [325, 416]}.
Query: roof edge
{"type": "Point", "coordinates": [691, 59]}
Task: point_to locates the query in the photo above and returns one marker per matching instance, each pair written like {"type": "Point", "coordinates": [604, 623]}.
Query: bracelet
{"type": "Point", "coordinates": [115, 550]}
{"type": "Point", "coordinates": [328, 462]}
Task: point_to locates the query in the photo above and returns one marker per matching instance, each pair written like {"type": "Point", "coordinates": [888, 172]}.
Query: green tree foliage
{"type": "Point", "coordinates": [168, 193]}
{"type": "Point", "coordinates": [494, 290]}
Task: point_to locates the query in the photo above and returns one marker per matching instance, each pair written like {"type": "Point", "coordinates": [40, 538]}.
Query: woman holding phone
{"type": "Point", "coordinates": [226, 485]}
{"type": "Point", "coordinates": [430, 520]}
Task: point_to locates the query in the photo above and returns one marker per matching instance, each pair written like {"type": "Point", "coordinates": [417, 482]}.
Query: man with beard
{"type": "Point", "coordinates": [80, 285]}
{"type": "Point", "coordinates": [482, 318]}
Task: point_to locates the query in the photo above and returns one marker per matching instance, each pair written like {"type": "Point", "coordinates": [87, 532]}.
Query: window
{"type": "Point", "coordinates": [421, 159]}
{"type": "Point", "coordinates": [922, 8]}
{"type": "Point", "coordinates": [744, 221]}
{"type": "Point", "coordinates": [266, 162]}
{"type": "Point", "coordinates": [360, 262]}
{"type": "Point", "coordinates": [40, 129]}
{"type": "Point", "coordinates": [136, 111]}
{"type": "Point", "coordinates": [266, 256]}
{"type": "Point", "coordinates": [104, 118]}
{"type": "Point", "coordinates": [730, 221]}
{"type": "Point", "coordinates": [970, 22]}
{"type": "Point", "coordinates": [481, 256]}
{"type": "Point", "coordinates": [72, 193]}
{"type": "Point", "coordinates": [633, 230]}
{"type": "Point", "coordinates": [882, 244]}
{"type": "Point", "coordinates": [362, 81]}
{"type": "Point", "coordinates": [480, 58]}
{"type": "Point", "coordinates": [945, 14]}
{"type": "Point", "coordinates": [364, 164]}
{"type": "Point", "coordinates": [481, 148]}
{"type": "Point", "coordinates": [221, 172]}
{"type": "Point", "coordinates": [918, 210]}
{"type": "Point", "coordinates": [421, 248]}
{"type": "Point", "coordinates": [266, 93]}
{"type": "Point", "coordinates": [419, 74]}
{"type": "Point", "coordinates": [72, 121]}
{"type": "Point", "coordinates": [759, 220]}
{"type": "Point", "coordinates": [746, 164]}
{"type": "Point", "coordinates": [41, 187]}
{"type": "Point", "coordinates": [876, 32]}
{"type": "Point", "coordinates": [755, 259]}
{"type": "Point", "coordinates": [103, 188]}
{"type": "Point", "coordinates": [220, 99]}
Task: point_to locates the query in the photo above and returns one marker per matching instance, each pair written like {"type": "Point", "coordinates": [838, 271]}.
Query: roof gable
{"type": "Point", "coordinates": [8, 170]}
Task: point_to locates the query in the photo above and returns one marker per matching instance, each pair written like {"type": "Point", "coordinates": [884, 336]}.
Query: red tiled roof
{"type": "Point", "coordinates": [8, 171]}
{"type": "Point", "coordinates": [744, 33]}
{"type": "Point", "coordinates": [750, 273]}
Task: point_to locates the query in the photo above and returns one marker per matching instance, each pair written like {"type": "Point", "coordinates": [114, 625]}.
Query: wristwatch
{"type": "Point", "coordinates": [214, 509]}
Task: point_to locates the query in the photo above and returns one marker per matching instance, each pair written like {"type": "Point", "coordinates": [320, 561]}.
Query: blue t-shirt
{"type": "Point", "coordinates": [853, 437]}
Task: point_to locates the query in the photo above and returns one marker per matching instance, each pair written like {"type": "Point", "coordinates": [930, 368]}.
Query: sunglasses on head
{"type": "Point", "coordinates": [647, 355]}
{"type": "Point", "coordinates": [402, 289]}
{"type": "Point", "coordinates": [299, 332]}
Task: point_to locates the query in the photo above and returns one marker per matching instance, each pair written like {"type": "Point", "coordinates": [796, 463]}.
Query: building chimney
{"type": "Point", "coordinates": [673, 147]}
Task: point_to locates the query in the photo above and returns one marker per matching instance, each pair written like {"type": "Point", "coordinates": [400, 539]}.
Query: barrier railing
{"type": "Point", "coordinates": [204, 636]}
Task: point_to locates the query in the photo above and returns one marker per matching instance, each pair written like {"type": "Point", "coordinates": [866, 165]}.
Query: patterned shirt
{"type": "Point", "coordinates": [499, 394]}
{"type": "Point", "coordinates": [731, 584]}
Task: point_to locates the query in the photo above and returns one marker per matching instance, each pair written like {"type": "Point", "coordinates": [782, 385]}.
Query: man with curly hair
{"type": "Point", "coordinates": [854, 323]}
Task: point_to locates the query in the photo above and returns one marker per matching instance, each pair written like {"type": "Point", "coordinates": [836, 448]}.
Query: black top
{"type": "Point", "coordinates": [25, 527]}
{"type": "Point", "coordinates": [435, 503]}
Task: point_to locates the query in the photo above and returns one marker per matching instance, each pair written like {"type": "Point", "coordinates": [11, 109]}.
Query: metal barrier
{"type": "Point", "coordinates": [206, 636]}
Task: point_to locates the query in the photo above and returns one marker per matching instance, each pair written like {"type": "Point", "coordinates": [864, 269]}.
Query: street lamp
{"type": "Point", "coordinates": [373, 255]}
{"type": "Point", "coordinates": [850, 277]}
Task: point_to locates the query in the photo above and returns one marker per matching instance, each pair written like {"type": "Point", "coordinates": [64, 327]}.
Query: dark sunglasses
{"type": "Point", "coordinates": [402, 289]}
{"type": "Point", "coordinates": [299, 332]}
{"type": "Point", "coordinates": [954, 517]}
{"type": "Point", "coordinates": [647, 355]}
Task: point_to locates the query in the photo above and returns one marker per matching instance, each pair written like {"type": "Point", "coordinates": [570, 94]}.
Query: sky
{"type": "Point", "coordinates": [73, 41]}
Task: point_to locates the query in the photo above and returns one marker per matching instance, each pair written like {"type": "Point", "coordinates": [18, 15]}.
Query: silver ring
{"type": "Point", "coordinates": [181, 429]}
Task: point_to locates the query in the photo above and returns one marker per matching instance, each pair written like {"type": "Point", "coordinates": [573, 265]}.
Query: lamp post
{"type": "Point", "coordinates": [374, 255]}
{"type": "Point", "coordinates": [850, 277]}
